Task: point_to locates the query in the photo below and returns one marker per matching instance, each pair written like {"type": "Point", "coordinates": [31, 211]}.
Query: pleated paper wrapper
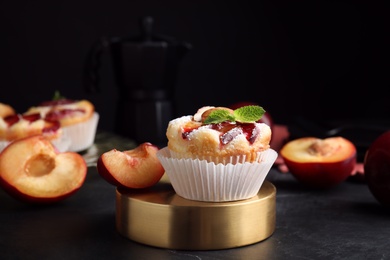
{"type": "Point", "coordinates": [82, 135]}
{"type": "Point", "coordinates": [201, 180]}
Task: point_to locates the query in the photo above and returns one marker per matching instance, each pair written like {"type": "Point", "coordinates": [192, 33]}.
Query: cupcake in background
{"type": "Point", "coordinates": [17, 126]}
{"type": "Point", "coordinates": [218, 154]}
{"type": "Point", "coordinates": [78, 119]}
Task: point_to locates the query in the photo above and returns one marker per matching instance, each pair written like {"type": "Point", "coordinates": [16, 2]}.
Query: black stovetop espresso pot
{"type": "Point", "coordinates": [145, 69]}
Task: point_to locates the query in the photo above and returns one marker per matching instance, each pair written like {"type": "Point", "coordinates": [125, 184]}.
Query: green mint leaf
{"type": "Point", "coordinates": [57, 95]}
{"type": "Point", "coordinates": [219, 116]}
{"type": "Point", "coordinates": [248, 114]}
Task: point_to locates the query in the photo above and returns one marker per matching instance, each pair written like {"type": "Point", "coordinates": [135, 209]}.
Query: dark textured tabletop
{"type": "Point", "coordinates": [345, 222]}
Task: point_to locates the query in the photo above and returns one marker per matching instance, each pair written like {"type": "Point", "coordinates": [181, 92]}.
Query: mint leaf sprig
{"type": "Point", "coordinates": [245, 114]}
{"type": "Point", "coordinates": [57, 96]}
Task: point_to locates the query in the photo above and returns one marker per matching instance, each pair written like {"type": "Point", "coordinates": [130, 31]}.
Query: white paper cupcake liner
{"type": "Point", "coordinates": [82, 135]}
{"type": "Point", "coordinates": [62, 144]}
{"type": "Point", "coordinates": [200, 180]}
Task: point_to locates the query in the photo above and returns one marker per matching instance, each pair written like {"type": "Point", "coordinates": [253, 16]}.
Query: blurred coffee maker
{"type": "Point", "coordinates": [145, 69]}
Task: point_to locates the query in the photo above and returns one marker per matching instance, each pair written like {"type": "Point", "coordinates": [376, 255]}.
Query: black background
{"type": "Point", "coordinates": [323, 60]}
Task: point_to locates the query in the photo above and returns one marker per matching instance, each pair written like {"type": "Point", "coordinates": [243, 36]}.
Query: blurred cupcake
{"type": "Point", "coordinates": [17, 126]}
{"type": "Point", "coordinates": [218, 154]}
{"type": "Point", "coordinates": [78, 120]}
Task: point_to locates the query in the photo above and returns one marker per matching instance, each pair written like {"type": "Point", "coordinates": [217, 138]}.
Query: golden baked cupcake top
{"type": "Point", "coordinates": [67, 111]}
{"type": "Point", "coordinates": [219, 132]}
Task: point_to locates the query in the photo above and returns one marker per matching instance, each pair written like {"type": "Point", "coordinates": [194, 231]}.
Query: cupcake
{"type": "Point", "coordinates": [78, 120]}
{"type": "Point", "coordinates": [218, 154]}
{"type": "Point", "coordinates": [17, 126]}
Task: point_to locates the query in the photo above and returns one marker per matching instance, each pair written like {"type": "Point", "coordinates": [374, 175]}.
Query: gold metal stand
{"type": "Point", "coordinates": [161, 218]}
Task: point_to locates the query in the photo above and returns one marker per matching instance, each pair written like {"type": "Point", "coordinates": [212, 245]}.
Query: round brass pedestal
{"type": "Point", "coordinates": [161, 218]}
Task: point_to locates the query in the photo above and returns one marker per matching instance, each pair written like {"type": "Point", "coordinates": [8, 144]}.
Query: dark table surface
{"type": "Point", "coordinates": [345, 222]}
